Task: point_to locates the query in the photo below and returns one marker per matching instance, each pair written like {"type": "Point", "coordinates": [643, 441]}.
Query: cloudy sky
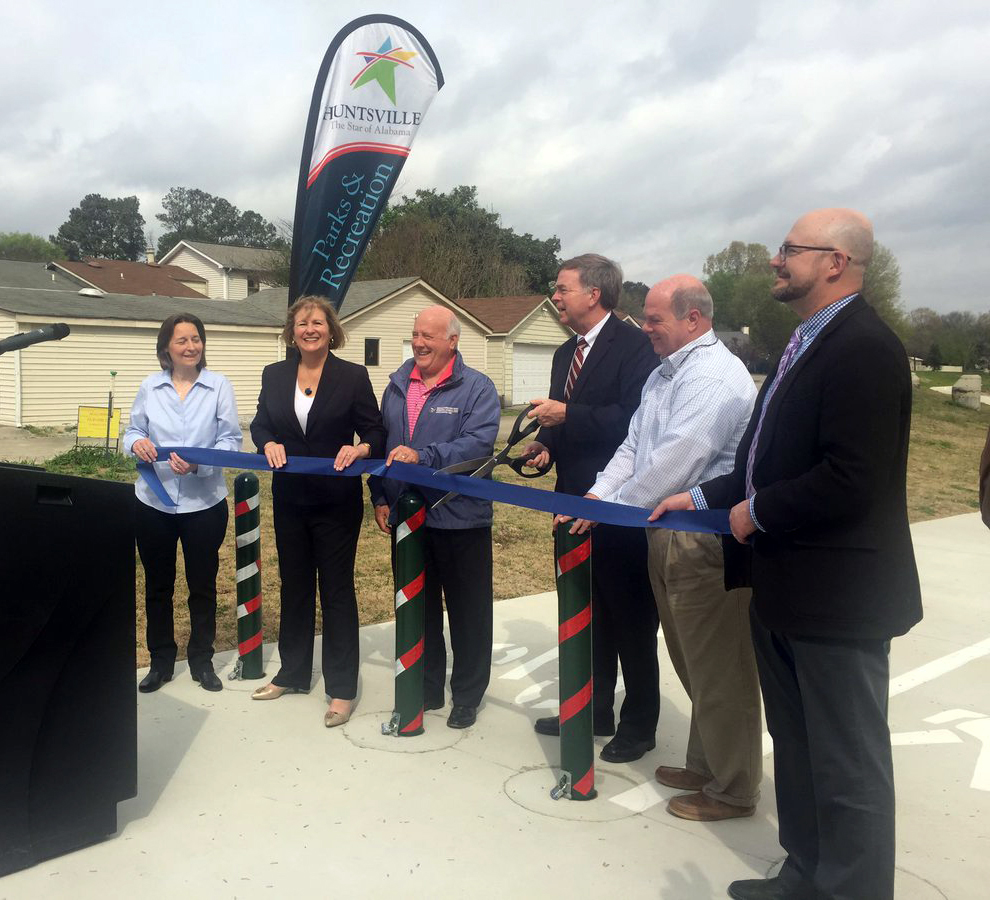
{"type": "Point", "coordinates": [655, 133]}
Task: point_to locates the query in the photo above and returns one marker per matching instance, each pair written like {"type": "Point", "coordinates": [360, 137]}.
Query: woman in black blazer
{"type": "Point", "coordinates": [311, 405]}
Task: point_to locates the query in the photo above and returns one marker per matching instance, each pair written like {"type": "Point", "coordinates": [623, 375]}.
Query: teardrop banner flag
{"type": "Point", "coordinates": [376, 82]}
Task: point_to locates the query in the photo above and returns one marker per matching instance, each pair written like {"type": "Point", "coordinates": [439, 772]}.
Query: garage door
{"type": "Point", "coordinates": [530, 371]}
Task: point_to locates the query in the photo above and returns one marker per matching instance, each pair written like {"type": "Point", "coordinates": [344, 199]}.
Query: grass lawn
{"type": "Point", "coordinates": [946, 442]}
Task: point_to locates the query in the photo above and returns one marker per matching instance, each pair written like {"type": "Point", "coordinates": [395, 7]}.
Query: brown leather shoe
{"type": "Point", "coordinates": [682, 779]}
{"type": "Point", "coordinates": [700, 807]}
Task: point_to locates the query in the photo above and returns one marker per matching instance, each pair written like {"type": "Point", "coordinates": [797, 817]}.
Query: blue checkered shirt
{"type": "Point", "coordinates": [808, 331]}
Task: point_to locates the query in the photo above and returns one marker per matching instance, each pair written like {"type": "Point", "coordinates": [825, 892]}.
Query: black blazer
{"type": "Point", "coordinates": [605, 395]}
{"type": "Point", "coordinates": [344, 404]}
{"type": "Point", "coordinates": [836, 558]}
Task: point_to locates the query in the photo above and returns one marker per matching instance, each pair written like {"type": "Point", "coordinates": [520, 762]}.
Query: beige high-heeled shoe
{"type": "Point", "coordinates": [333, 718]}
{"type": "Point", "coordinates": [273, 692]}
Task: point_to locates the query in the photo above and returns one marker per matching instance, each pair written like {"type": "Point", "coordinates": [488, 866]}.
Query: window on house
{"type": "Point", "coordinates": [371, 351]}
{"type": "Point", "coordinates": [253, 287]}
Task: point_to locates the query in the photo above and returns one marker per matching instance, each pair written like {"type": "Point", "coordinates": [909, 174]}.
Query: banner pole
{"type": "Point", "coordinates": [247, 531]}
{"type": "Point", "coordinates": [410, 616]}
{"type": "Point", "coordinates": [577, 750]}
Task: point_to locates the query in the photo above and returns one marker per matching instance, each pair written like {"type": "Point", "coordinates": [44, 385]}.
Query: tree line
{"type": "Point", "coordinates": [113, 228]}
{"type": "Point", "coordinates": [464, 250]}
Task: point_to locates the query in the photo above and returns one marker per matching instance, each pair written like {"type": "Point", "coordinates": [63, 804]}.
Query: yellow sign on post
{"type": "Point", "coordinates": [92, 423]}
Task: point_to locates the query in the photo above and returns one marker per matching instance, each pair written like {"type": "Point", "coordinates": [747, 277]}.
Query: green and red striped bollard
{"type": "Point", "coordinates": [247, 531]}
{"type": "Point", "coordinates": [577, 747]}
{"type": "Point", "coordinates": [410, 616]}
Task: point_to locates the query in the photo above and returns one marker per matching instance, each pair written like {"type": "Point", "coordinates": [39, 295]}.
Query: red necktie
{"type": "Point", "coordinates": [576, 364]}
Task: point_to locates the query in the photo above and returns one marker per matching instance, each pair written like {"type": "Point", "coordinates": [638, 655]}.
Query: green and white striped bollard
{"type": "Point", "coordinates": [247, 529]}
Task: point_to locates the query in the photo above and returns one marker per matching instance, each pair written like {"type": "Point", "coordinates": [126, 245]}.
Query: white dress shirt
{"type": "Point", "coordinates": [692, 413]}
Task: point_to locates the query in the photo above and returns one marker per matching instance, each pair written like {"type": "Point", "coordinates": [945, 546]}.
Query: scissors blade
{"type": "Point", "coordinates": [488, 464]}
{"type": "Point", "coordinates": [468, 465]}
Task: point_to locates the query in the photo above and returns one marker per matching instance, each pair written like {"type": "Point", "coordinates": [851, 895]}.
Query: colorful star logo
{"type": "Point", "coordinates": [380, 66]}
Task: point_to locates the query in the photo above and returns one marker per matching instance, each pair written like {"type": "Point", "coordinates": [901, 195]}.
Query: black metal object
{"type": "Point", "coordinates": [68, 751]}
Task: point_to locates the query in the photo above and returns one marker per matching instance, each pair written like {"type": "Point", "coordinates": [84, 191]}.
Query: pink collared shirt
{"type": "Point", "coordinates": [417, 393]}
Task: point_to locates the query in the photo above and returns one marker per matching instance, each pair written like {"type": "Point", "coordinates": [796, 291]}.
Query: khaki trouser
{"type": "Point", "coordinates": [708, 638]}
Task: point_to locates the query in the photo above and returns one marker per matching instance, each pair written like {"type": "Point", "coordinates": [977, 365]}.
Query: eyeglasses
{"type": "Point", "coordinates": [564, 291]}
{"type": "Point", "coordinates": [788, 250]}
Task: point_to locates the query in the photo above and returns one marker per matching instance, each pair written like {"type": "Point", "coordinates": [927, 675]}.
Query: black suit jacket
{"type": "Point", "coordinates": [605, 395]}
{"type": "Point", "coordinates": [344, 404]}
{"type": "Point", "coordinates": [836, 558]}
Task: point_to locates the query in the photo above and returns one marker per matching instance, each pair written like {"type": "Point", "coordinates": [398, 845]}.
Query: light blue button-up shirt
{"type": "Point", "coordinates": [692, 413]}
{"type": "Point", "coordinates": [206, 418]}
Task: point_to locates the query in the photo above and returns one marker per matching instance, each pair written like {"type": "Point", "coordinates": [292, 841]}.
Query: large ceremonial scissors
{"type": "Point", "coordinates": [483, 466]}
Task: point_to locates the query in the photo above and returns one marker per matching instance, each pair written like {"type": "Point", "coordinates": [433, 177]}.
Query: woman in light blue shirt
{"type": "Point", "coordinates": [184, 405]}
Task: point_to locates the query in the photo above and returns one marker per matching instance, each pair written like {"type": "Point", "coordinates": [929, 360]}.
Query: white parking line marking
{"type": "Point", "coordinates": [916, 738]}
{"type": "Point", "coordinates": [520, 672]}
{"type": "Point", "coordinates": [953, 715]}
{"type": "Point", "coordinates": [938, 667]}
{"type": "Point", "coordinates": [642, 797]}
{"type": "Point", "coordinates": [981, 773]}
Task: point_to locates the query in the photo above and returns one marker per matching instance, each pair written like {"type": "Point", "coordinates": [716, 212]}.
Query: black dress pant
{"type": "Point", "coordinates": [458, 568]}
{"type": "Point", "coordinates": [318, 544]}
{"type": "Point", "coordinates": [624, 623]}
{"type": "Point", "coordinates": [826, 707]}
{"type": "Point", "coordinates": [201, 534]}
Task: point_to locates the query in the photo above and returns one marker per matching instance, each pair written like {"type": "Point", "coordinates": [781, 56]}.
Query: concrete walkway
{"type": "Point", "coordinates": [21, 445]}
{"type": "Point", "coordinates": [239, 799]}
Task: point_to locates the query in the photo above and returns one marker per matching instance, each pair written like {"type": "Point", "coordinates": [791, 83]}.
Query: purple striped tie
{"type": "Point", "coordinates": [575, 370]}
{"type": "Point", "coordinates": [782, 368]}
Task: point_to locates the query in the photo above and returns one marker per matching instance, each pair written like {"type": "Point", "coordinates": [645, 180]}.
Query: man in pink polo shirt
{"type": "Point", "coordinates": [438, 411]}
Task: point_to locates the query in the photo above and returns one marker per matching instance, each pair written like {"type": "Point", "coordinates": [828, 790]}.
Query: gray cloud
{"type": "Point", "coordinates": [654, 133]}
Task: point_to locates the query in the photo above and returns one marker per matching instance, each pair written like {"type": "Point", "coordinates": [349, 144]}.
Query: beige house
{"type": "Point", "coordinates": [511, 339]}
{"type": "Point", "coordinates": [231, 273]}
{"type": "Point", "coordinates": [378, 318]}
{"type": "Point", "coordinates": [44, 384]}
{"type": "Point", "coordinates": [525, 332]}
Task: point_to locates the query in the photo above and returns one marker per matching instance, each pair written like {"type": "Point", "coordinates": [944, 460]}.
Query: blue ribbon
{"type": "Point", "coordinates": [708, 521]}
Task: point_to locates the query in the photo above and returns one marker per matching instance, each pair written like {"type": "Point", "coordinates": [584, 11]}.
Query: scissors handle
{"type": "Point", "coordinates": [518, 433]}
{"type": "Point", "coordinates": [518, 466]}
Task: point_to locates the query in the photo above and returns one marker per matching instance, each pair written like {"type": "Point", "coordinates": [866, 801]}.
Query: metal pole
{"type": "Point", "coordinates": [410, 612]}
{"type": "Point", "coordinates": [113, 375]}
{"type": "Point", "coordinates": [577, 749]}
{"type": "Point", "coordinates": [247, 530]}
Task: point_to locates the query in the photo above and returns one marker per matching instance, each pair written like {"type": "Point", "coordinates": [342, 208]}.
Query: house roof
{"type": "Point", "coordinates": [135, 278]}
{"type": "Point", "coordinates": [501, 314]}
{"type": "Point", "coordinates": [34, 275]}
{"type": "Point", "coordinates": [58, 303]}
{"type": "Point", "coordinates": [359, 295]}
{"type": "Point", "coordinates": [249, 259]}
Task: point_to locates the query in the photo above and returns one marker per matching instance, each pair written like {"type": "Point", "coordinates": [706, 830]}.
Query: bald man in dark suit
{"type": "Point", "coordinates": [818, 493]}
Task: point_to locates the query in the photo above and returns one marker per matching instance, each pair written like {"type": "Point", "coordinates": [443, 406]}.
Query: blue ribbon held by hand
{"type": "Point", "coordinates": [709, 521]}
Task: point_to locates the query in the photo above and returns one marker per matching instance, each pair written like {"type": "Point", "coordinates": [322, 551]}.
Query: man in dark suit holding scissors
{"type": "Point", "coordinates": [595, 384]}
{"type": "Point", "coordinates": [819, 493]}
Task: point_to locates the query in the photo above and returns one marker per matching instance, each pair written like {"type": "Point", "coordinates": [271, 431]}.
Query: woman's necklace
{"type": "Point", "coordinates": [308, 379]}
